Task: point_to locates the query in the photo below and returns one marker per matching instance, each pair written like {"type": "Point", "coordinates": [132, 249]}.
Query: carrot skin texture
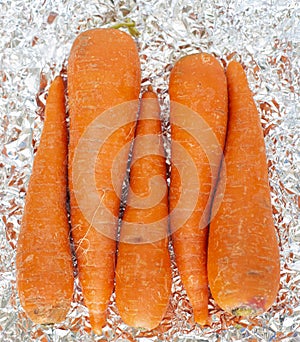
{"type": "Point", "coordinates": [243, 253]}
{"type": "Point", "coordinates": [143, 272]}
{"type": "Point", "coordinates": [197, 81]}
{"type": "Point", "coordinates": [103, 71]}
{"type": "Point", "coordinates": [44, 262]}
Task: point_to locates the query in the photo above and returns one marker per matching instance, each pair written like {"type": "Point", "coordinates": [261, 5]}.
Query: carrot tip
{"type": "Point", "coordinates": [150, 88]}
{"type": "Point", "coordinates": [97, 330]}
{"type": "Point", "coordinates": [202, 321]}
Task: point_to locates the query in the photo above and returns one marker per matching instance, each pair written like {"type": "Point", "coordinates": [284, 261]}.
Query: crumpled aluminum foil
{"type": "Point", "coordinates": [35, 41]}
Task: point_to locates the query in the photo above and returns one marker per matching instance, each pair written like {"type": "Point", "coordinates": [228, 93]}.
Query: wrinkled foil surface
{"type": "Point", "coordinates": [35, 40]}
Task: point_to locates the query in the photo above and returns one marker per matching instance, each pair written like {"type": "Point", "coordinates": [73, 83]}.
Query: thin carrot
{"type": "Point", "coordinates": [243, 256]}
{"type": "Point", "coordinates": [198, 84]}
{"type": "Point", "coordinates": [143, 273]}
{"type": "Point", "coordinates": [103, 72]}
{"type": "Point", "coordinates": [44, 263]}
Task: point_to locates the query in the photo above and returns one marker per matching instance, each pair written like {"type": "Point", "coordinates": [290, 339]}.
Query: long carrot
{"type": "Point", "coordinates": [103, 72]}
{"type": "Point", "coordinates": [44, 262]}
{"type": "Point", "coordinates": [143, 273]}
{"type": "Point", "coordinates": [243, 257]}
{"type": "Point", "coordinates": [198, 94]}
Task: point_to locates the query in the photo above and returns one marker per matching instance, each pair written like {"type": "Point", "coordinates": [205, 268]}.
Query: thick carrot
{"type": "Point", "coordinates": [198, 94]}
{"type": "Point", "coordinates": [44, 263]}
{"type": "Point", "coordinates": [103, 72]}
{"type": "Point", "coordinates": [143, 273]}
{"type": "Point", "coordinates": [243, 257]}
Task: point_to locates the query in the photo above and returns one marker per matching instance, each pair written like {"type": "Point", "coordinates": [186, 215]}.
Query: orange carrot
{"type": "Point", "coordinates": [243, 256]}
{"type": "Point", "coordinates": [198, 94]}
{"type": "Point", "coordinates": [143, 273]}
{"type": "Point", "coordinates": [44, 263]}
{"type": "Point", "coordinates": [103, 72]}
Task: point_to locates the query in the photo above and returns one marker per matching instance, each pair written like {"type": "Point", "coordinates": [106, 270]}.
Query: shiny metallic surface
{"type": "Point", "coordinates": [35, 40]}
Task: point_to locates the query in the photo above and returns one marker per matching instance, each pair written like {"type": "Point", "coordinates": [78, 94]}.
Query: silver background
{"type": "Point", "coordinates": [264, 35]}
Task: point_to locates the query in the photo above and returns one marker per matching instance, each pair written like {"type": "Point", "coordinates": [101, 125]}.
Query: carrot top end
{"type": "Point", "coordinates": [130, 25]}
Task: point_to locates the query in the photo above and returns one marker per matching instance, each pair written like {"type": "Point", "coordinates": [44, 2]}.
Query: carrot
{"type": "Point", "coordinates": [103, 72]}
{"type": "Point", "coordinates": [198, 94]}
{"type": "Point", "coordinates": [44, 263]}
{"type": "Point", "coordinates": [243, 256]}
{"type": "Point", "coordinates": [143, 273]}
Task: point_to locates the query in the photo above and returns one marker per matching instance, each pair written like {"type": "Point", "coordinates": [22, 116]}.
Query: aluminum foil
{"type": "Point", "coordinates": [35, 40]}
